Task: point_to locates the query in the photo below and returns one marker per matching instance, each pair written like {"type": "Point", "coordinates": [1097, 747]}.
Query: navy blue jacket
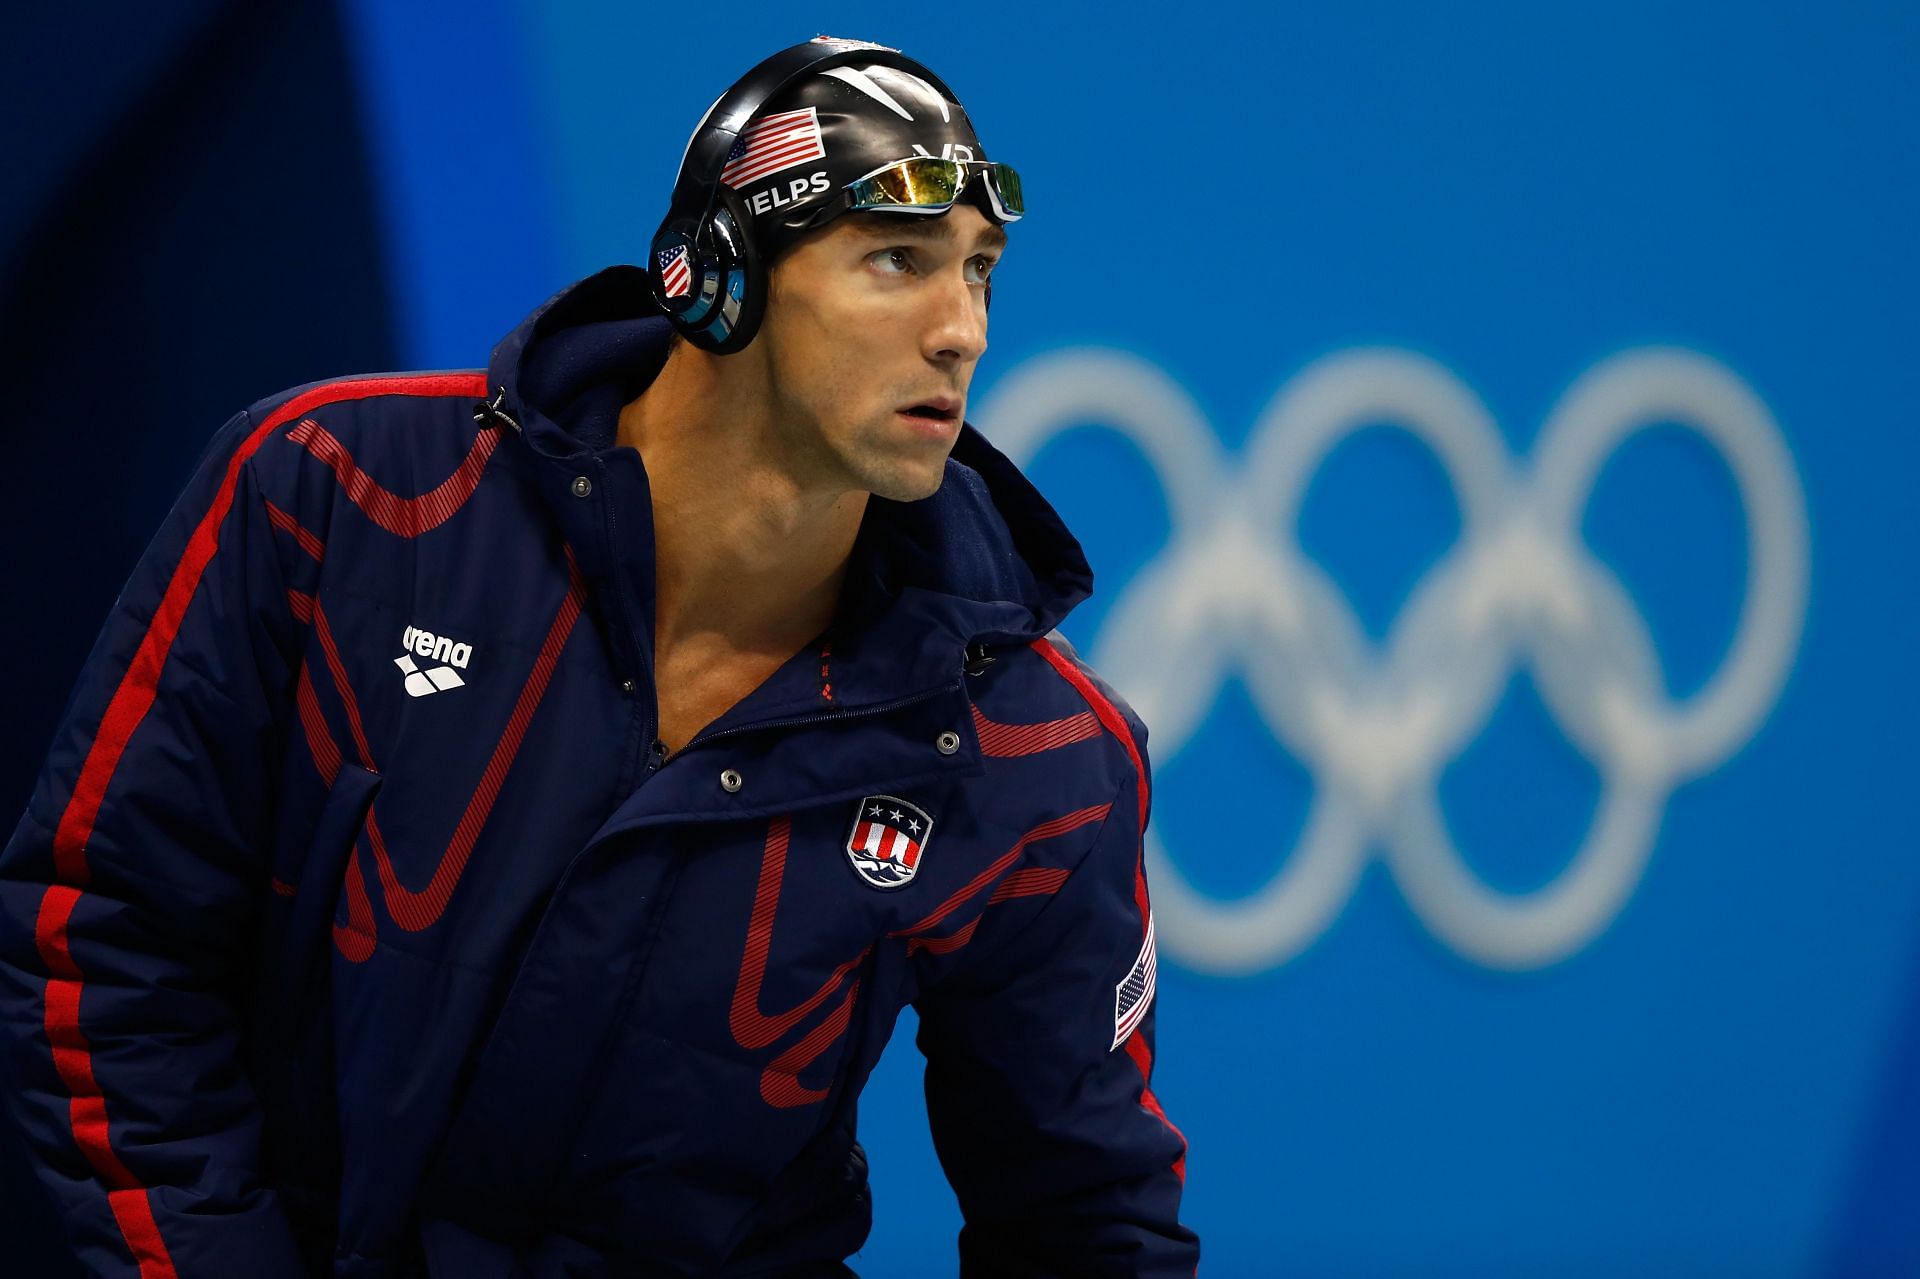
{"type": "Point", "coordinates": [356, 927]}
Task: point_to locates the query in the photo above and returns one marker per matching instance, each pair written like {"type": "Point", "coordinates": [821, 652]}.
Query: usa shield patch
{"type": "Point", "coordinates": [888, 839]}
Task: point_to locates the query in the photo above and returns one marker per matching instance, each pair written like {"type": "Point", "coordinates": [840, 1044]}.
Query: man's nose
{"type": "Point", "coordinates": [958, 330]}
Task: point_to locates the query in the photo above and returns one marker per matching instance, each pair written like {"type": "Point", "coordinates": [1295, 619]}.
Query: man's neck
{"type": "Point", "coordinates": [749, 557]}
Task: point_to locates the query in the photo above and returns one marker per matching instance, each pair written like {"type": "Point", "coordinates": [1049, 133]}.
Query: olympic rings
{"type": "Point", "coordinates": [1376, 724]}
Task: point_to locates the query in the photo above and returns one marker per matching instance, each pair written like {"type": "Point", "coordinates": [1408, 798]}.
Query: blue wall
{"type": "Point", "coordinates": [1502, 530]}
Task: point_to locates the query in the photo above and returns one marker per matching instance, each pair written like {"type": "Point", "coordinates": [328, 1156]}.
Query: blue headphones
{"type": "Point", "coordinates": [719, 301]}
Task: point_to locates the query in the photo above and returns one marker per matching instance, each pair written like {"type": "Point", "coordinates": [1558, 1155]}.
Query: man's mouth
{"type": "Point", "coordinates": [943, 408]}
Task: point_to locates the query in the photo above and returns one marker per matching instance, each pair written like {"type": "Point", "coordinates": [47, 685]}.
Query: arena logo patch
{"type": "Point", "coordinates": [437, 648]}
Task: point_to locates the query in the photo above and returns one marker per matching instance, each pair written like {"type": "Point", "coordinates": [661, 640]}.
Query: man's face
{"type": "Point", "coordinates": [872, 315]}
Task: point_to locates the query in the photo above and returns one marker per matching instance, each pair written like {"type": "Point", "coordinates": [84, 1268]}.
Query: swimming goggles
{"type": "Point", "coordinates": [929, 184]}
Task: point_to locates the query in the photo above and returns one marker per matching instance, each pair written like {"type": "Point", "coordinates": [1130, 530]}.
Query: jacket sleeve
{"type": "Point", "coordinates": [1038, 1082]}
{"type": "Point", "coordinates": [128, 899]}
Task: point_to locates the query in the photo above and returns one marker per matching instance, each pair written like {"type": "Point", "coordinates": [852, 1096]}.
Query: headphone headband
{"type": "Point", "coordinates": [713, 138]}
{"type": "Point", "coordinates": [717, 293]}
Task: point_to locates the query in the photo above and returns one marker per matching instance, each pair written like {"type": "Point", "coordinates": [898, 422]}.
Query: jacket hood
{"type": "Point", "coordinates": [985, 559]}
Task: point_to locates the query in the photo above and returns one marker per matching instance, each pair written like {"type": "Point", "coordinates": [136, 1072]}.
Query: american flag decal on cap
{"type": "Point", "coordinates": [1134, 992]}
{"type": "Point", "coordinates": [888, 839]}
{"type": "Point", "coordinates": [674, 275]}
{"type": "Point", "coordinates": [852, 44]}
{"type": "Point", "coordinates": [773, 143]}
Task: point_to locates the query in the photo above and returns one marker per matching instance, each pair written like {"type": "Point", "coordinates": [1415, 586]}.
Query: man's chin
{"type": "Point", "coordinates": [908, 484]}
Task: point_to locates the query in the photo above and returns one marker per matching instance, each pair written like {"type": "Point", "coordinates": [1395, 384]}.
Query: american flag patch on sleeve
{"type": "Point", "coordinates": [1134, 993]}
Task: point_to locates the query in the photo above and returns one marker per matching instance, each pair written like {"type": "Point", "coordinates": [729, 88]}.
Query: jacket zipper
{"type": "Point", "coordinates": [835, 717]}
{"type": "Point", "coordinates": [628, 609]}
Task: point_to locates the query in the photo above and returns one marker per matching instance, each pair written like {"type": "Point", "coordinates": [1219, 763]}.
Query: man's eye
{"type": "Point", "coordinates": [983, 267]}
{"type": "Point", "coordinates": [893, 261]}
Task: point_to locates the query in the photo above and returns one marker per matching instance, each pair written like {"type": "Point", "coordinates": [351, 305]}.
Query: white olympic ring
{"type": "Point", "coordinates": [1375, 724]}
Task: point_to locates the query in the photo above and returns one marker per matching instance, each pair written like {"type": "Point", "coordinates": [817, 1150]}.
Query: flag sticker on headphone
{"type": "Point", "coordinates": [675, 279]}
{"type": "Point", "coordinates": [772, 143]}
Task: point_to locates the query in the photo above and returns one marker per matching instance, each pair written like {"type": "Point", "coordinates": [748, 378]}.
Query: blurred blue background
{"type": "Point", "coordinates": [1528, 665]}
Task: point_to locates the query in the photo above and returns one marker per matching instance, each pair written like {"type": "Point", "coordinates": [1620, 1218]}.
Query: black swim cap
{"type": "Point", "coordinates": [833, 128]}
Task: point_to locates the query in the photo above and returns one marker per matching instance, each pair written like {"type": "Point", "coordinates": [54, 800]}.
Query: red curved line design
{"type": "Point", "coordinates": [413, 910]}
{"type": "Point", "coordinates": [780, 1084]}
{"type": "Point", "coordinates": [1116, 724]}
{"type": "Point", "coordinates": [320, 743]}
{"type": "Point", "coordinates": [401, 516]}
{"type": "Point", "coordinates": [355, 938]}
{"type": "Point", "coordinates": [943, 945]}
{"type": "Point", "coordinates": [751, 1028]}
{"type": "Point", "coordinates": [418, 910]}
{"type": "Point", "coordinates": [135, 693]}
{"type": "Point", "coordinates": [1006, 740]}
{"type": "Point", "coordinates": [126, 710]}
{"type": "Point", "coordinates": [307, 539]}
{"type": "Point", "coordinates": [1045, 830]}
{"type": "Point", "coordinates": [338, 670]}
{"type": "Point", "coordinates": [1034, 881]}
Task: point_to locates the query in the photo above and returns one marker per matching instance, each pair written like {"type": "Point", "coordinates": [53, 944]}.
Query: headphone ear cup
{"type": "Point", "coordinates": [743, 278]}
{"type": "Point", "coordinates": [706, 277]}
{"type": "Point", "coordinates": [681, 278]}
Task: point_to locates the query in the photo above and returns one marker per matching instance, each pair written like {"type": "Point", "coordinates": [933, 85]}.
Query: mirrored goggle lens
{"type": "Point", "coordinates": [915, 184]}
{"type": "Point", "coordinates": [1005, 185]}
{"type": "Point", "coordinates": [925, 182]}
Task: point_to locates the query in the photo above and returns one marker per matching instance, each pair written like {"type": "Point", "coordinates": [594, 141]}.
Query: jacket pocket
{"type": "Point", "coordinates": [300, 1148]}
{"type": "Point", "coordinates": [304, 943]}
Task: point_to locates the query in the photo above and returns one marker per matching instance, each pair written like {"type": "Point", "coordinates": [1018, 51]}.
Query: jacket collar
{"type": "Point", "coordinates": [984, 560]}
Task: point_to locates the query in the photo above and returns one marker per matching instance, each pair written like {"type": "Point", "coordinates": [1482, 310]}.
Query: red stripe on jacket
{"type": "Point", "coordinates": [126, 710]}
{"type": "Point", "coordinates": [752, 1028]}
{"type": "Point", "coordinates": [1004, 740]}
{"type": "Point", "coordinates": [401, 516]}
{"type": "Point", "coordinates": [309, 540]}
{"type": "Point", "coordinates": [413, 910]}
{"type": "Point", "coordinates": [1117, 725]}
